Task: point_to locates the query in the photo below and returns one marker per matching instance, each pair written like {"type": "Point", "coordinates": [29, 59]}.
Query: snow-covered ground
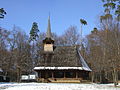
{"type": "Point", "coordinates": [56, 86]}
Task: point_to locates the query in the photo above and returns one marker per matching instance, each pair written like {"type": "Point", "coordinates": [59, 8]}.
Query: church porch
{"type": "Point", "coordinates": [73, 76]}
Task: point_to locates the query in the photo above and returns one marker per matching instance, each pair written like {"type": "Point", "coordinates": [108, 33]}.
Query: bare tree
{"type": "Point", "coordinates": [70, 37]}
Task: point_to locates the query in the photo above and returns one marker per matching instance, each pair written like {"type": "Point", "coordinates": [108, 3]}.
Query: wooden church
{"type": "Point", "coordinates": [61, 63]}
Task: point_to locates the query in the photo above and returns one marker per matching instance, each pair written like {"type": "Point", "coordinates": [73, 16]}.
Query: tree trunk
{"type": "Point", "coordinates": [115, 77]}
{"type": "Point", "coordinates": [18, 74]}
{"type": "Point", "coordinates": [81, 38]}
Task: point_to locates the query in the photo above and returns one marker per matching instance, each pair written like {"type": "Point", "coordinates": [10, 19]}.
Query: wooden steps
{"type": "Point", "coordinates": [63, 80]}
{"type": "Point", "coordinates": [60, 80]}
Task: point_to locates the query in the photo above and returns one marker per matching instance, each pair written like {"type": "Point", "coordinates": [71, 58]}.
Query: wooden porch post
{"type": "Point", "coordinates": [64, 74]}
{"type": "Point", "coordinates": [76, 74]}
{"type": "Point", "coordinates": [40, 74]}
{"type": "Point", "coordinates": [52, 74]}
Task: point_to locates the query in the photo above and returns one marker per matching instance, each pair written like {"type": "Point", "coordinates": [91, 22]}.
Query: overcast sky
{"type": "Point", "coordinates": [63, 13]}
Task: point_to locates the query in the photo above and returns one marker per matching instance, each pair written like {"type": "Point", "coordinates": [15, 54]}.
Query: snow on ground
{"type": "Point", "coordinates": [56, 86]}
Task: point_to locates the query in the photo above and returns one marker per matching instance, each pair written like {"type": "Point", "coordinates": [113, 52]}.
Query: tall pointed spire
{"type": "Point", "coordinates": [49, 34]}
{"type": "Point", "coordinates": [49, 39]}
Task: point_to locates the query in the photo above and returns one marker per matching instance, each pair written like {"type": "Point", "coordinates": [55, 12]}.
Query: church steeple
{"type": "Point", "coordinates": [48, 41]}
{"type": "Point", "coordinates": [49, 34]}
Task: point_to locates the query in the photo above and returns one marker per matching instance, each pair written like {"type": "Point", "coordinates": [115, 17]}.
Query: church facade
{"type": "Point", "coordinates": [61, 63]}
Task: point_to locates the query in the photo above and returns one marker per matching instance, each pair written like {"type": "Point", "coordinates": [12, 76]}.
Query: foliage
{"type": "Point", "coordinates": [2, 13]}
{"type": "Point", "coordinates": [82, 21]}
{"type": "Point", "coordinates": [111, 6]}
{"type": "Point", "coordinates": [34, 32]}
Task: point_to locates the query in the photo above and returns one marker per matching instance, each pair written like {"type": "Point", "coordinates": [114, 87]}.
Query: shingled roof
{"type": "Point", "coordinates": [64, 56]}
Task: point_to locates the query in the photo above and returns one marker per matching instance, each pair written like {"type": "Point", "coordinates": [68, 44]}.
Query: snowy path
{"type": "Point", "coordinates": [55, 86]}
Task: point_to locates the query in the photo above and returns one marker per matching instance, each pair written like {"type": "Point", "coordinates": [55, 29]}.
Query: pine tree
{"type": "Point", "coordinates": [2, 13]}
{"type": "Point", "coordinates": [83, 22]}
{"type": "Point", "coordinates": [33, 37]}
{"type": "Point", "coordinates": [34, 32]}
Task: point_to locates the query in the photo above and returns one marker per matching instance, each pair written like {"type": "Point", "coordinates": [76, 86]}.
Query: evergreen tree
{"type": "Point", "coordinates": [33, 37]}
{"type": "Point", "coordinates": [83, 22]}
{"type": "Point", "coordinates": [34, 32]}
{"type": "Point", "coordinates": [2, 13]}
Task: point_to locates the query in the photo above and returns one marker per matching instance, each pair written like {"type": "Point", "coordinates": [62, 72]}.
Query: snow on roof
{"type": "Point", "coordinates": [84, 64]}
{"type": "Point", "coordinates": [66, 57]}
{"type": "Point", "coordinates": [60, 68]}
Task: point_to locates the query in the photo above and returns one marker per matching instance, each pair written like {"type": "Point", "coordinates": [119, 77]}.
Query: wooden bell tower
{"type": "Point", "coordinates": [48, 45]}
{"type": "Point", "coordinates": [48, 42]}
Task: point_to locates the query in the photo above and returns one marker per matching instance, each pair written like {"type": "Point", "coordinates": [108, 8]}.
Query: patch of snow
{"type": "Point", "coordinates": [60, 68]}
{"type": "Point", "coordinates": [84, 64]}
{"type": "Point", "coordinates": [57, 86]}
